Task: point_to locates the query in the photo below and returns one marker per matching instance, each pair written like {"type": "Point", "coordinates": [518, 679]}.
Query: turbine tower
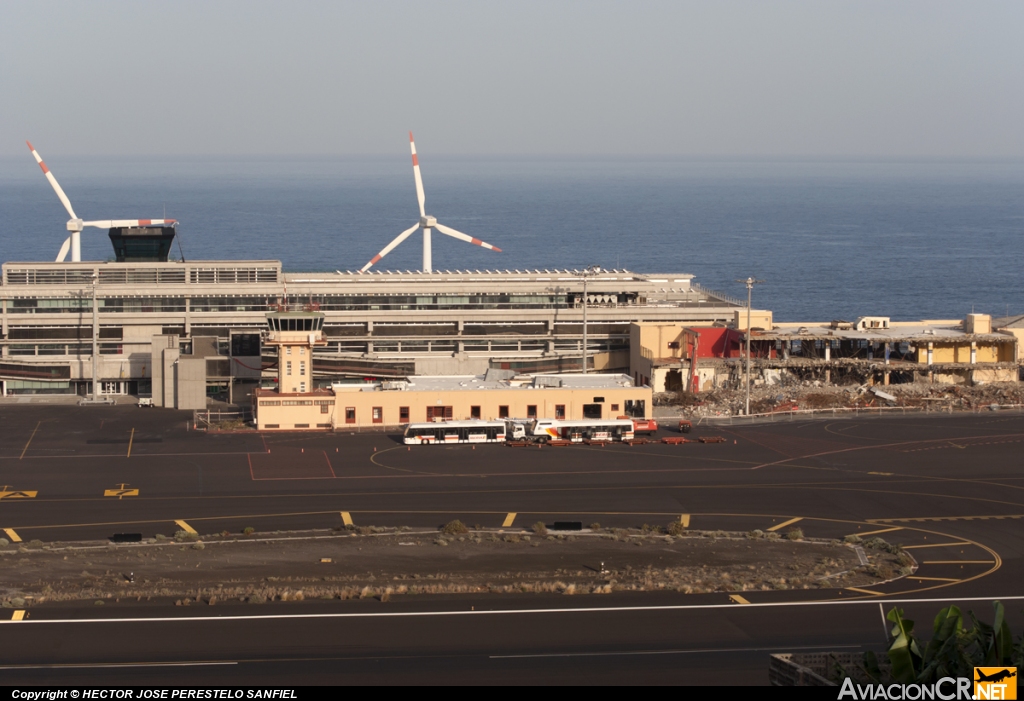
{"type": "Point", "coordinates": [426, 223]}
{"type": "Point", "coordinates": [75, 225]}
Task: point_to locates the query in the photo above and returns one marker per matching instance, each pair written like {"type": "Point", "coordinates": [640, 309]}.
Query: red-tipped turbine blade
{"type": "Point", "coordinates": [464, 237]}
{"type": "Point", "coordinates": [127, 223]}
{"type": "Point", "coordinates": [416, 174]}
{"type": "Point", "coordinates": [390, 247]}
{"type": "Point", "coordinates": [53, 181]}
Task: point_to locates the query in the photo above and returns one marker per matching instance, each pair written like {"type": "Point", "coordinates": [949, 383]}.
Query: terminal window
{"type": "Point", "coordinates": [503, 412]}
{"type": "Point", "coordinates": [559, 411]}
{"type": "Point", "coordinates": [403, 414]}
{"type": "Point", "coordinates": [474, 412]}
{"type": "Point", "coordinates": [531, 411]}
{"type": "Point", "coordinates": [378, 414]}
{"type": "Point", "coordinates": [350, 414]}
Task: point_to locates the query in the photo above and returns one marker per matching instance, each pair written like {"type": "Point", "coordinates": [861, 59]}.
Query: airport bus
{"type": "Point", "coordinates": [474, 431]}
{"type": "Point", "coordinates": [575, 430]}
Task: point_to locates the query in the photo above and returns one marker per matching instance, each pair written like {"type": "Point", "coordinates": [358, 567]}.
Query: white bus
{"type": "Point", "coordinates": [474, 431]}
{"type": "Point", "coordinates": [576, 430]}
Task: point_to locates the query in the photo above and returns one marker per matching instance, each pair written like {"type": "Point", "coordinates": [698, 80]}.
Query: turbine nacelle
{"type": "Point", "coordinates": [75, 224]}
{"type": "Point", "coordinates": [428, 222]}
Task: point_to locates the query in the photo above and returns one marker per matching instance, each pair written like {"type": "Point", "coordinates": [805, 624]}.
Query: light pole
{"type": "Point", "coordinates": [585, 274]}
{"type": "Point", "coordinates": [95, 340]}
{"type": "Point", "coordinates": [749, 282]}
{"type": "Point", "coordinates": [95, 398]}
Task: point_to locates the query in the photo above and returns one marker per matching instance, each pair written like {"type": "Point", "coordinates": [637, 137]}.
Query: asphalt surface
{"type": "Point", "coordinates": [945, 487]}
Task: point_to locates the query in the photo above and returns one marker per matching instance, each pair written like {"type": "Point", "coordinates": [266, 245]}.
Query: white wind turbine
{"type": "Point", "coordinates": [427, 223]}
{"type": "Point", "coordinates": [75, 225]}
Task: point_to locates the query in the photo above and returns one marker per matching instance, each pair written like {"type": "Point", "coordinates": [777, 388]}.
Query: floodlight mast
{"type": "Point", "coordinates": [749, 282]}
{"type": "Point", "coordinates": [585, 274]}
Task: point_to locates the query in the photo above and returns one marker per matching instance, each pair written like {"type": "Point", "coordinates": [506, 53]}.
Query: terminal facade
{"type": "Point", "coordinates": [213, 315]}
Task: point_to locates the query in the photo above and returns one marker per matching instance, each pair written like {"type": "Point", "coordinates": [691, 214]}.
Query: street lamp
{"type": "Point", "coordinates": [749, 282]}
{"type": "Point", "coordinates": [95, 399]}
{"type": "Point", "coordinates": [586, 274]}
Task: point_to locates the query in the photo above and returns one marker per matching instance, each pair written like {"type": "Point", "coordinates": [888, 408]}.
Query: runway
{"type": "Point", "coordinates": [947, 488]}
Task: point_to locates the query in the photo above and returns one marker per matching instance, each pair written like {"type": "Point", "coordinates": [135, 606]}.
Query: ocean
{"type": "Point", "coordinates": [830, 239]}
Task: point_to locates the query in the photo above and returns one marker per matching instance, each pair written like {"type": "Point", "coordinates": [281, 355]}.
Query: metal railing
{"type": "Point", "coordinates": [205, 419]}
{"type": "Point", "coordinates": [847, 412]}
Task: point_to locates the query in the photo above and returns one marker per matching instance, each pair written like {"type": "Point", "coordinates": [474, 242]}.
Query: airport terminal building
{"type": "Point", "coordinates": [378, 325]}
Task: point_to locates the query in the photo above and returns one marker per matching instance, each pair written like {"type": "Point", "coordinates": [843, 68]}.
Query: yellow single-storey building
{"type": "Point", "coordinates": [422, 399]}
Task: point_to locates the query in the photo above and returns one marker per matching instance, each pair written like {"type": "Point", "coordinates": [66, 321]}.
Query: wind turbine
{"type": "Point", "coordinates": [75, 225]}
{"type": "Point", "coordinates": [427, 223]}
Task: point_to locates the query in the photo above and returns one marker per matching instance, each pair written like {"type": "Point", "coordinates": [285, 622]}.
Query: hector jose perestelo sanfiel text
{"type": "Point", "coordinates": [134, 694]}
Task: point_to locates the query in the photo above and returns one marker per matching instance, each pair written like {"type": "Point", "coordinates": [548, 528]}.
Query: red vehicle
{"type": "Point", "coordinates": [685, 426]}
{"type": "Point", "coordinates": [643, 426]}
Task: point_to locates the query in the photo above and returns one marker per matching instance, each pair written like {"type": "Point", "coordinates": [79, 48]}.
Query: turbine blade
{"type": "Point", "coordinates": [53, 181]}
{"type": "Point", "coordinates": [390, 247]}
{"type": "Point", "coordinates": [64, 250]}
{"type": "Point", "coordinates": [127, 223]}
{"type": "Point", "coordinates": [416, 173]}
{"type": "Point", "coordinates": [464, 237]}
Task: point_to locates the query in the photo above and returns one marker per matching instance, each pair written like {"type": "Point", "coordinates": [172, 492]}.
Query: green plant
{"type": "Point", "coordinates": [794, 534]}
{"type": "Point", "coordinates": [675, 528]}
{"type": "Point", "coordinates": [455, 527]}
{"type": "Point", "coordinates": [953, 649]}
{"type": "Point", "coordinates": [248, 530]}
{"type": "Point", "coordinates": [186, 536]}
{"type": "Point", "coordinates": [539, 528]}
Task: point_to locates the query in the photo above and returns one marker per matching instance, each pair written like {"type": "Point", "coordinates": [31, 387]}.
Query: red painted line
{"type": "Point", "coordinates": [495, 248]}
{"type": "Point", "coordinates": [478, 242]}
{"type": "Point", "coordinates": [415, 161]}
{"type": "Point", "coordinates": [43, 166]}
{"type": "Point", "coordinates": [375, 260]}
{"type": "Point", "coordinates": [329, 466]}
{"type": "Point", "coordinates": [30, 146]}
{"type": "Point", "coordinates": [145, 222]}
{"type": "Point", "coordinates": [264, 439]}
{"type": "Point", "coordinates": [251, 475]}
{"type": "Point", "coordinates": [410, 138]}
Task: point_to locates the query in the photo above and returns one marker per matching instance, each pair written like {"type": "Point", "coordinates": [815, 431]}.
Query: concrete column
{"type": "Point", "coordinates": [974, 352]}
{"type": "Point", "coordinates": [188, 316]}
{"type": "Point", "coordinates": [885, 375]}
{"type": "Point", "coordinates": [828, 351]}
{"type": "Point", "coordinates": [931, 348]}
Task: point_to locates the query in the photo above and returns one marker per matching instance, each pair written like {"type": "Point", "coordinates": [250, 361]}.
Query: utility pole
{"type": "Point", "coordinates": [592, 270]}
{"type": "Point", "coordinates": [749, 282]}
{"type": "Point", "coordinates": [95, 398]}
{"type": "Point", "coordinates": [95, 340]}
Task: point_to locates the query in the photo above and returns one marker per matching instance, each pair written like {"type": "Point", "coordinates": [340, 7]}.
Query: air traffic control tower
{"type": "Point", "coordinates": [295, 334]}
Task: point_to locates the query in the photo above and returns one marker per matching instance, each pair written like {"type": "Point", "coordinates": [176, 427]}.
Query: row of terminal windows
{"type": "Point", "coordinates": [296, 323]}
{"type": "Point", "coordinates": [324, 303]}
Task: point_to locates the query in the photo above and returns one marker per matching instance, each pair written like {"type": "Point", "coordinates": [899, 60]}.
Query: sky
{"type": "Point", "coordinates": [868, 79]}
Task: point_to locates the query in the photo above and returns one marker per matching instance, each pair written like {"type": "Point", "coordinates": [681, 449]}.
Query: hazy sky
{"type": "Point", "coordinates": [862, 79]}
